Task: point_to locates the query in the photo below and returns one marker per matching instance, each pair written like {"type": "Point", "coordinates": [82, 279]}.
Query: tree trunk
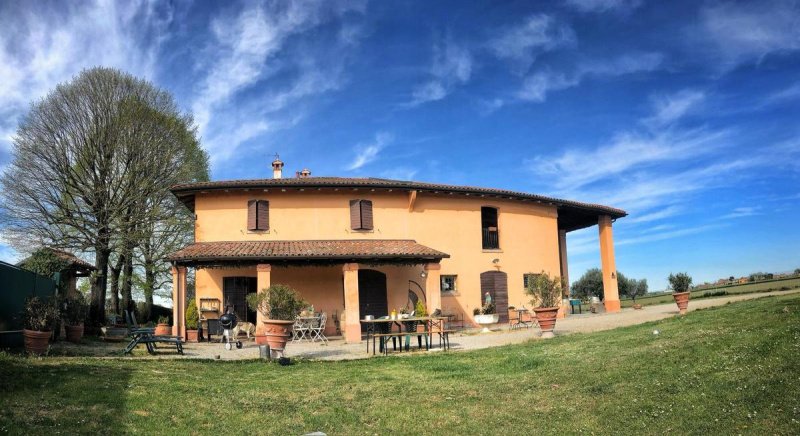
{"type": "Point", "coordinates": [127, 281]}
{"type": "Point", "coordinates": [97, 312]}
{"type": "Point", "coordinates": [149, 285]}
{"type": "Point", "coordinates": [114, 272]}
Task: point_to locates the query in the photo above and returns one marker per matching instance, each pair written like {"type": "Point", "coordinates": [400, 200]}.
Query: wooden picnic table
{"type": "Point", "coordinates": [429, 323]}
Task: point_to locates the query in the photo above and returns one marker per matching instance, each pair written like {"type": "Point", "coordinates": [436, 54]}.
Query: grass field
{"type": "Point", "coordinates": [727, 370]}
{"type": "Point", "coordinates": [749, 288]}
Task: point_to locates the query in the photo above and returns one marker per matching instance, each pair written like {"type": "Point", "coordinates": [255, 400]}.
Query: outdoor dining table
{"type": "Point", "coordinates": [520, 312]}
{"type": "Point", "coordinates": [430, 322]}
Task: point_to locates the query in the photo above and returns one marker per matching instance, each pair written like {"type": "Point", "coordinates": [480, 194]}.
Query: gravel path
{"type": "Point", "coordinates": [336, 349]}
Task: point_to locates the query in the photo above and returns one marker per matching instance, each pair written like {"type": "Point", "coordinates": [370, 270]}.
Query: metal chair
{"type": "Point", "coordinates": [299, 329]}
{"type": "Point", "coordinates": [318, 330]}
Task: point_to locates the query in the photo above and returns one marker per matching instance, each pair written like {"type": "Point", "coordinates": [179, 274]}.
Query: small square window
{"type": "Point", "coordinates": [449, 283]}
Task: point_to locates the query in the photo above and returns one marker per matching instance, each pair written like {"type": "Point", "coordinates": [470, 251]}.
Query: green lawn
{"type": "Point", "coordinates": [732, 369]}
{"type": "Point", "coordinates": [749, 288]}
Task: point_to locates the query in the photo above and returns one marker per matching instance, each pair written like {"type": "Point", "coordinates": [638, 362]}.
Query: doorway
{"type": "Point", "coordinates": [372, 298]}
{"type": "Point", "coordinates": [234, 294]}
{"type": "Point", "coordinates": [496, 284]}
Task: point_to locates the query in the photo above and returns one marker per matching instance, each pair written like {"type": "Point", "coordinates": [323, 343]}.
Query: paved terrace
{"type": "Point", "coordinates": [337, 349]}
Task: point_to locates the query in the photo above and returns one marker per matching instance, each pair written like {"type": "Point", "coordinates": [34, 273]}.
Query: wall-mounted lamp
{"type": "Point", "coordinates": [423, 274]}
{"type": "Point", "coordinates": [494, 261]}
{"type": "Point", "coordinates": [613, 274]}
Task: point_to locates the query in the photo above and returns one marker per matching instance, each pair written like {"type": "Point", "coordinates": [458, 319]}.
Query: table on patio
{"type": "Point", "coordinates": [429, 323]}
{"type": "Point", "coordinates": [520, 322]}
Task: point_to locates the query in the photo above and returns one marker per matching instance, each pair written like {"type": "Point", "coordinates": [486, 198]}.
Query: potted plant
{"type": "Point", "coordinates": [192, 319]}
{"type": "Point", "coordinates": [163, 328]}
{"type": "Point", "coordinates": [637, 288]}
{"type": "Point", "coordinates": [279, 305]}
{"type": "Point", "coordinates": [486, 315]}
{"type": "Point", "coordinates": [74, 315]}
{"type": "Point", "coordinates": [680, 283]}
{"type": "Point", "coordinates": [38, 318]}
{"type": "Point", "coordinates": [545, 293]}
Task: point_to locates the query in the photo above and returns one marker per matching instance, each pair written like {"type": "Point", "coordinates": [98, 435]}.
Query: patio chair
{"type": "Point", "coordinates": [411, 330]}
{"type": "Point", "coordinates": [317, 331]}
{"type": "Point", "coordinates": [299, 329]}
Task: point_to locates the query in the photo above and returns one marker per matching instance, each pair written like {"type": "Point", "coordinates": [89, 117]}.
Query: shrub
{"type": "Point", "coordinates": [75, 310]}
{"type": "Point", "coordinates": [279, 302]}
{"type": "Point", "coordinates": [680, 282]}
{"type": "Point", "coordinates": [163, 320]}
{"type": "Point", "coordinates": [192, 315]}
{"type": "Point", "coordinates": [544, 290]}
{"type": "Point", "coordinates": [40, 315]}
{"type": "Point", "coordinates": [419, 309]}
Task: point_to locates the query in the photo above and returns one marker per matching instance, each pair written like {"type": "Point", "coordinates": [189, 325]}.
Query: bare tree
{"type": "Point", "coordinates": [86, 159]}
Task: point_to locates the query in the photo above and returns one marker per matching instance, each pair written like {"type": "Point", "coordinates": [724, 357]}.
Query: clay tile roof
{"type": "Point", "coordinates": [333, 250]}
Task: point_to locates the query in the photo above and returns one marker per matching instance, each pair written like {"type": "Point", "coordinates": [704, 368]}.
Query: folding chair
{"type": "Point", "coordinates": [318, 331]}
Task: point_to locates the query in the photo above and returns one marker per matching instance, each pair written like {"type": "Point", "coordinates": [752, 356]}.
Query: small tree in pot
{"type": "Point", "coordinates": [74, 315]}
{"type": "Point", "coordinates": [192, 320]}
{"type": "Point", "coordinates": [279, 305]}
{"type": "Point", "coordinates": [545, 293]}
{"type": "Point", "coordinates": [163, 328]}
{"type": "Point", "coordinates": [486, 315]}
{"type": "Point", "coordinates": [38, 318]}
{"type": "Point", "coordinates": [680, 284]}
{"type": "Point", "coordinates": [636, 288]}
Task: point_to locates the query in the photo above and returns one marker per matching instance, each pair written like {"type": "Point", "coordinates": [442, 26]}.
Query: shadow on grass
{"type": "Point", "coordinates": [37, 395]}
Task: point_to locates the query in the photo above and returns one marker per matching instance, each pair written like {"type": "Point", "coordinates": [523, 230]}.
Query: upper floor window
{"type": "Point", "coordinates": [491, 237]}
{"type": "Point", "coordinates": [361, 214]}
{"type": "Point", "coordinates": [448, 283]}
{"type": "Point", "coordinates": [258, 215]}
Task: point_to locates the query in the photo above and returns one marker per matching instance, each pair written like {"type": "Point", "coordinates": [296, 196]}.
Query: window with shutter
{"type": "Point", "coordinates": [262, 218]}
{"type": "Point", "coordinates": [361, 215]}
{"type": "Point", "coordinates": [252, 224]}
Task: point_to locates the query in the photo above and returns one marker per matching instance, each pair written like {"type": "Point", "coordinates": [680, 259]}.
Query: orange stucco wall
{"type": "Point", "coordinates": [528, 240]}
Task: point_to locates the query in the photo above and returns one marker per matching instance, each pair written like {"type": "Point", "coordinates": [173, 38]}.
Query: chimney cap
{"type": "Point", "coordinates": [277, 163]}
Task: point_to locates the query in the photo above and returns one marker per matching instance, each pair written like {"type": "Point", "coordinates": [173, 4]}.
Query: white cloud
{"type": "Point", "coordinates": [537, 34]}
{"type": "Point", "coordinates": [656, 215]}
{"type": "Point", "coordinates": [537, 85]}
{"type": "Point", "coordinates": [787, 94]}
{"type": "Point", "coordinates": [40, 50]}
{"type": "Point", "coordinates": [661, 236]}
{"type": "Point", "coordinates": [604, 5]}
{"type": "Point", "coordinates": [670, 108]}
{"type": "Point", "coordinates": [368, 152]}
{"type": "Point", "coordinates": [741, 212]}
{"type": "Point", "coordinates": [746, 32]}
{"type": "Point", "coordinates": [451, 66]}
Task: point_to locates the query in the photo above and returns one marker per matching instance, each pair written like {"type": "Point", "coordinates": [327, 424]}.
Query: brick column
{"type": "Point", "coordinates": [352, 327]}
{"type": "Point", "coordinates": [433, 286]}
{"type": "Point", "coordinates": [610, 289]}
{"type": "Point", "coordinates": [263, 278]}
{"type": "Point", "coordinates": [179, 301]}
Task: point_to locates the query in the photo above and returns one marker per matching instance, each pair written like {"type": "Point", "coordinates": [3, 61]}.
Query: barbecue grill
{"type": "Point", "coordinates": [228, 321]}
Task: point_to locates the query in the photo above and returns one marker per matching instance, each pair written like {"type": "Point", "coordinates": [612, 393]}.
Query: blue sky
{"type": "Point", "coordinates": [683, 113]}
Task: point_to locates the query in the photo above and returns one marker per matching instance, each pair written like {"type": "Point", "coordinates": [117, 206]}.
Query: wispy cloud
{"type": "Point", "coordinates": [784, 95]}
{"type": "Point", "coordinates": [248, 49]}
{"type": "Point", "coordinates": [741, 212]}
{"type": "Point", "coordinates": [655, 215]}
{"type": "Point", "coordinates": [604, 5]}
{"type": "Point", "coordinates": [538, 33]}
{"type": "Point", "coordinates": [451, 66]}
{"type": "Point", "coordinates": [368, 152]}
{"type": "Point", "coordinates": [746, 32]}
{"type": "Point", "coordinates": [536, 86]}
{"type": "Point", "coordinates": [670, 108]}
{"type": "Point", "coordinates": [664, 235]}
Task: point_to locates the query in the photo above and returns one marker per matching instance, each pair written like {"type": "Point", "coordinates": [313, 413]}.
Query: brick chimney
{"type": "Point", "coordinates": [277, 168]}
{"type": "Point", "coordinates": [305, 173]}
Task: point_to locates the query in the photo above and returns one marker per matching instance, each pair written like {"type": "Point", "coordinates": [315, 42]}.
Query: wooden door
{"type": "Point", "coordinates": [372, 298]}
{"type": "Point", "coordinates": [496, 284]}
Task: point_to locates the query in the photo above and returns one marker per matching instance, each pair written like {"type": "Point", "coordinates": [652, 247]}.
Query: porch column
{"type": "Point", "coordinates": [433, 286]}
{"type": "Point", "coordinates": [179, 301]}
{"type": "Point", "coordinates": [352, 326]}
{"type": "Point", "coordinates": [562, 252]}
{"type": "Point", "coordinates": [263, 278]}
{"type": "Point", "coordinates": [610, 289]}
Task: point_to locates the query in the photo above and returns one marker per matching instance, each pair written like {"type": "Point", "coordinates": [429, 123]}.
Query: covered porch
{"type": "Point", "coordinates": [346, 279]}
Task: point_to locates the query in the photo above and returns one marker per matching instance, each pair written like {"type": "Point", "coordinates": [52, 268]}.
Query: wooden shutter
{"type": "Point", "coordinates": [251, 215]}
{"type": "Point", "coordinates": [355, 214]}
{"type": "Point", "coordinates": [262, 221]}
{"type": "Point", "coordinates": [366, 214]}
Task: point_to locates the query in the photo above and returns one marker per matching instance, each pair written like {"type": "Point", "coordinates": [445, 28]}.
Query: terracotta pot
{"type": "Point", "coordinates": [261, 340]}
{"type": "Point", "coordinates": [637, 306]}
{"type": "Point", "coordinates": [277, 333]}
{"type": "Point", "coordinates": [74, 332]}
{"type": "Point", "coordinates": [163, 330]}
{"type": "Point", "coordinates": [546, 316]}
{"type": "Point", "coordinates": [682, 300]}
{"type": "Point", "coordinates": [36, 342]}
{"type": "Point", "coordinates": [191, 335]}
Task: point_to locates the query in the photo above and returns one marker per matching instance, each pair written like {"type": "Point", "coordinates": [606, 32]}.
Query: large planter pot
{"type": "Point", "coordinates": [191, 335]}
{"type": "Point", "coordinates": [637, 306]}
{"type": "Point", "coordinates": [546, 317]}
{"type": "Point", "coordinates": [74, 333]}
{"type": "Point", "coordinates": [163, 330]}
{"type": "Point", "coordinates": [487, 320]}
{"type": "Point", "coordinates": [682, 300]}
{"type": "Point", "coordinates": [276, 333]}
{"type": "Point", "coordinates": [36, 342]}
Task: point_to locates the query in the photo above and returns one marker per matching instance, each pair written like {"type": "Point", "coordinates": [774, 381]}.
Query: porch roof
{"type": "Point", "coordinates": [374, 251]}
